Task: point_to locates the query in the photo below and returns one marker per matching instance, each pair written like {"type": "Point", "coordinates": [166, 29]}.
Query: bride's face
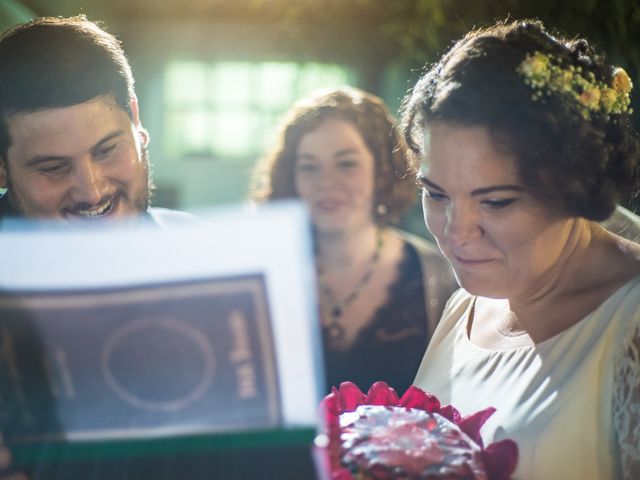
{"type": "Point", "coordinates": [501, 241]}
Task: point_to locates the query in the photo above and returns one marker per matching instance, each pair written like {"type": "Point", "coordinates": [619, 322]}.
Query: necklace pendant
{"type": "Point", "coordinates": [335, 332]}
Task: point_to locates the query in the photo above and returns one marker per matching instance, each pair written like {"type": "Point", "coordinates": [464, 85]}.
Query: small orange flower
{"type": "Point", "coordinates": [621, 81]}
{"type": "Point", "coordinates": [590, 98]}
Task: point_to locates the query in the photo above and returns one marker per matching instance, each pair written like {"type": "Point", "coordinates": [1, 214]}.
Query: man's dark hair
{"type": "Point", "coordinates": [59, 62]}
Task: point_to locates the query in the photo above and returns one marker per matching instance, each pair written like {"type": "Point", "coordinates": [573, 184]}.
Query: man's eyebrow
{"type": "Point", "coordinates": [478, 191]}
{"type": "Point", "coordinates": [38, 159]}
{"type": "Point", "coordinates": [108, 137]}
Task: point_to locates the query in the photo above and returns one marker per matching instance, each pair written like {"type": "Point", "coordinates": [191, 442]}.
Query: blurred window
{"type": "Point", "coordinates": [231, 109]}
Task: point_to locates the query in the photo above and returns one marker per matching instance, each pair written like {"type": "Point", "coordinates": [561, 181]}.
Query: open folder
{"type": "Point", "coordinates": [130, 331]}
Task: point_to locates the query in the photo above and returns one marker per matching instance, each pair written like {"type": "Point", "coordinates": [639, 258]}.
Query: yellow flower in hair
{"type": "Point", "coordinates": [561, 80]}
{"type": "Point", "coordinates": [539, 63]}
{"type": "Point", "coordinates": [608, 97]}
{"type": "Point", "coordinates": [546, 75]}
{"type": "Point", "coordinates": [535, 68]}
{"type": "Point", "coordinates": [621, 81]}
{"type": "Point", "coordinates": [590, 98]}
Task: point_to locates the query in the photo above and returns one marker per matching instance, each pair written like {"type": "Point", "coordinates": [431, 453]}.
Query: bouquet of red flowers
{"type": "Point", "coordinates": [380, 436]}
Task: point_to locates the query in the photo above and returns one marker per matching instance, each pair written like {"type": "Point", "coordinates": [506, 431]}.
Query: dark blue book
{"type": "Point", "coordinates": [153, 360]}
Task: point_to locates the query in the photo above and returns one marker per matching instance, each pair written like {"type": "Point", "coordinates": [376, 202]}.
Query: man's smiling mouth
{"type": "Point", "coordinates": [99, 211]}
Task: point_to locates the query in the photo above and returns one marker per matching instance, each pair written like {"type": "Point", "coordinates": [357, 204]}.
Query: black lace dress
{"type": "Point", "coordinates": [391, 347]}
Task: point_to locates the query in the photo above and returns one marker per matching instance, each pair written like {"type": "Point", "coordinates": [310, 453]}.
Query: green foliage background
{"type": "Point", "coordinates": [410, 34]}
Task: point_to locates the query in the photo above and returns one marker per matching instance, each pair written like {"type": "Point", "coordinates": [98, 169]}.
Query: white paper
{"type": "Point", "coordinates": [274, 240]}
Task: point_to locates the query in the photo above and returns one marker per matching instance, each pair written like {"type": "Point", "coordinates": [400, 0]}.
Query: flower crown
{"type": "Point", "coordinates": [545, 75]}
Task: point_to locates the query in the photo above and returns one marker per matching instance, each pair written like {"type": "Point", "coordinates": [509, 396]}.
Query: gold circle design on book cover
{"type": "Point", "coordinates": [177, 327]}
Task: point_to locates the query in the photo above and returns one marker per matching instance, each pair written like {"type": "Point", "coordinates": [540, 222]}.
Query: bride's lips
{"type": "Point", "coordinates": [471, 261]}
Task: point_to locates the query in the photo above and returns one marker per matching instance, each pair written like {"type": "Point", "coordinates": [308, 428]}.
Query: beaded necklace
{"type": "Point", "coordinates": [335, 330]}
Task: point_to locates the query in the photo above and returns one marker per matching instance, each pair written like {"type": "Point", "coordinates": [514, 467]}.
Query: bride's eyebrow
{"type": "Point", "coordinates": [478, 191]}
{"type": "Point", "coordinates": [497, 188]}
{"type": "Point", "coordinates": [428, 183]}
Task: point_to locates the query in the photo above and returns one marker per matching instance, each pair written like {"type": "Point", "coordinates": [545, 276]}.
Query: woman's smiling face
{"type": "Point", "coordinates": [334, 176]}
{"type": "Point", "coordinates": [501, 240]}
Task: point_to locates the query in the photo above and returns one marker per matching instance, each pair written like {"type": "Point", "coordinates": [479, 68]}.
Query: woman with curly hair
{"type": "Point", "coordinates": [525, 144]}
{"type": "Point", "coordinates": [381, 290]}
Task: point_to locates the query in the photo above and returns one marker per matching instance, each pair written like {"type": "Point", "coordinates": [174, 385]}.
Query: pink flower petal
{"type": "Point", "coordinates": [415, 397]}
{"type": "Point", "coordinates": [331, 402]}
{"type": "Point", "coordinates": [450, 413]}
{"type": "Point", "coordinates": [341, 474]}
{"type": "Point", "coordinates": [500, 459]}
{"type": "Point", "coordinates": [381, 394]}
{"type": "Point", "coordinates": [350, 396]}
{"type": "Point", "coordinates": [471, 424]}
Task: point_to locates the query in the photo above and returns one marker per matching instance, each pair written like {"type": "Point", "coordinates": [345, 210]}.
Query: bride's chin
{"type": "Point", "coordinates": [481, 287]}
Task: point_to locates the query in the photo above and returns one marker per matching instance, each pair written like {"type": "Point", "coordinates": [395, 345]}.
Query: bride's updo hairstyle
{"type": "Point", "coordinates": [553, 103]}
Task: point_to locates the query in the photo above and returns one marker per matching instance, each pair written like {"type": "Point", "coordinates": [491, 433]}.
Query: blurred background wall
{"type": "Point", "coordinates": [214, 76]}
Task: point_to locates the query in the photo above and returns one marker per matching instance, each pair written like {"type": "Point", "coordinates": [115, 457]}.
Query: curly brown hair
{"type": "Point", "coordinates": [584, 165]}
{"type": "Point", "coordinates": [394, 185]}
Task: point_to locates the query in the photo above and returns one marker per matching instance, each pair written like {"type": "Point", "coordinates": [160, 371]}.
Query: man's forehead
{"type": "Point", "coordinates": [65, 131]}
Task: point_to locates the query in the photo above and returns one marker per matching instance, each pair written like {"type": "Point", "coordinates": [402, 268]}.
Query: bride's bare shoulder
{"type": "Point", "coordinates": [629, 248]}
{"type": "Point", "coordinates": [628, 253]}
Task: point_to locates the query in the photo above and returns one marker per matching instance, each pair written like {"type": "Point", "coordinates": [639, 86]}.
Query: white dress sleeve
{"type": "Point", "coordinates": [626, 404]}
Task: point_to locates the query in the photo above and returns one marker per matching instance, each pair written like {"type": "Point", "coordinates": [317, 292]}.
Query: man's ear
{"type": "Point", "coordinates": [135, 114]}
{"type": "Point", "coordinates": [3, 174]}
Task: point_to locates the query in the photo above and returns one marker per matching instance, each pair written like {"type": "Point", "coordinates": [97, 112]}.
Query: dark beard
{"type": "Point", "coordinates": [150, 186]}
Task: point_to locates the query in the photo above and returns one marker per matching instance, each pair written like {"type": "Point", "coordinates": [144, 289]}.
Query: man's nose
{"type": "Point", "coordinates": [88, 182]}
{"type": "Point", "coordinates": [463, 224]}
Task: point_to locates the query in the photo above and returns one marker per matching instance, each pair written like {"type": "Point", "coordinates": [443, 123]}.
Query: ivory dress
{"type": "Point", "coordinates": [571, 403]}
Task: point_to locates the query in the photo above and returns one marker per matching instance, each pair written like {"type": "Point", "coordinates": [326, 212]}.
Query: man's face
{"type": "Point", "coordinates": [83, 161]}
